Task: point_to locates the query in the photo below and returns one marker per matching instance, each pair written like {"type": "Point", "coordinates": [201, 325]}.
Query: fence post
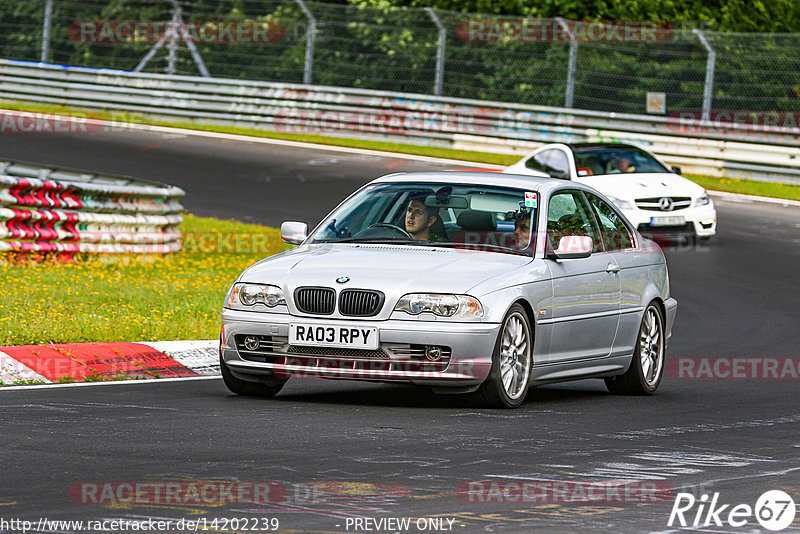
{"type": "Point", "coordinates": [440, 50]}
{"type": "Point", "coordinates": [172, 44]}
{"type": "Point", "coordinates": [310, 36]}
{"type": "Point", "coordinates": [46, 25]}
{"type": "Point", "coordinates": [176, 28]}
{"type": "Point", "coordinates": [569, 95]}
{"type": "Point", "coordinates": [187, 38]}
{"type": "Point", "coordinates": [710, 64]}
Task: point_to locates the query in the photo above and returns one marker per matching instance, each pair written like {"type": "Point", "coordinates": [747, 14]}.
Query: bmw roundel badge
{"type": "Point", "coordinates": [343, 279]}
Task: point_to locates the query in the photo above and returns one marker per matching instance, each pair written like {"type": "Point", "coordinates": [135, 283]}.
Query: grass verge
{"type": "Point", "coordinates": [131, 298]}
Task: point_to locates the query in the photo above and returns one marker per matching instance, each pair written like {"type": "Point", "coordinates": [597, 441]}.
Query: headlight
{"type": "Point", "coordinates": [621, 204]}
{"type": "Point", "coordinates": [442, 305]}
{"type": "Point", "coordinates": [248, 295]}
{"type": "Point", "coordinates": [702, 200]}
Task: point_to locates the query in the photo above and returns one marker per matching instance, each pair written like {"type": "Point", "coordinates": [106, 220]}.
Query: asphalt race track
{"type": "Point", "coordinates": [345, 450]}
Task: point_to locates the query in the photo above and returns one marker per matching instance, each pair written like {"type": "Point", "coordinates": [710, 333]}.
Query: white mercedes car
{"type": "Point", "coordinates": [654, 197]}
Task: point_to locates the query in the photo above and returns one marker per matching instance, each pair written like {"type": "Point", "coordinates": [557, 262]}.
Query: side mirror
{"type": "Point", "coordinates": [572, 247]}
{"type": "Point", "coordinates": [294, 232]}
{"type": "Point", "coordinates": [676, 170]}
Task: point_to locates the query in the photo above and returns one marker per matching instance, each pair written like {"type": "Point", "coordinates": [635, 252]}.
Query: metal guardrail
{"type": "Point", "coordinates": [46, 209]}
{"type": "Point", "coordinates": [716, 149]}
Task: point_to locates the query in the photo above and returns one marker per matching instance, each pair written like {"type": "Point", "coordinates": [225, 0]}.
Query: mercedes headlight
{"type": "Point", "coordinates": [461, 306]}
{"type": "Point", "coordinates": [244, 296]}
{"type": "Point", "coordinates": [621, 204]}
{"type": "Point", "coordinates": [702, 200]}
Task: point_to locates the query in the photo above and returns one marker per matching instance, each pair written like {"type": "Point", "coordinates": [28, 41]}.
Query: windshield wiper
{"type": "Point", "coordinates": [388, 240]}
{"type": "Point", "coordinates": [423, 243]}
{"type": "Point", "coordinates": [483, 246]}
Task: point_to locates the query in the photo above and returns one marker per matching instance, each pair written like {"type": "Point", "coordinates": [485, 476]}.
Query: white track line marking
{"type": "Point", "coordinates": [738, 197]}
{"type": "Point", "coordinates": [107, 383]}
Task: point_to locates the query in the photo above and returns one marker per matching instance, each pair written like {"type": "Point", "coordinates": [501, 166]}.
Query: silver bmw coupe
{"type": "Point", "coordinates": [466, 282]}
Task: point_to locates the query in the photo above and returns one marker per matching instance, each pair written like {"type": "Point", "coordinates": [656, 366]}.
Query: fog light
{"type": "Point", "coordinates": [433, 354]}
{"type": "Point", "coordinates": [251, 343]}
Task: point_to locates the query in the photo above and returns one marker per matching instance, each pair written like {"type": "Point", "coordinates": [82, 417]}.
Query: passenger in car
{"type": "Point", "coordinates": [588, 165]}
{"type": "Point", "coordinates": [567, 225]}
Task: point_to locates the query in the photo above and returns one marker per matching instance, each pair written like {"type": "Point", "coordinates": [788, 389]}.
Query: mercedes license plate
{"type": "Point", "coordinates": [678, 220]}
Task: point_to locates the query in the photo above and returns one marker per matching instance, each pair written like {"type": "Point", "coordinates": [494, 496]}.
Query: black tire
{"type": "Point", "coordinates": [249, 388]}
{"type": "Point", "coordinates": [493, 393]}
{"type": "Point", "coordinates": [637, 380]}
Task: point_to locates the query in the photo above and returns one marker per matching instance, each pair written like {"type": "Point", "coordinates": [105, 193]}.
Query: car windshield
{"type": "Point", "coordinates": [435, 214]}
{"type": "Point", "coordinates": [598, 160]}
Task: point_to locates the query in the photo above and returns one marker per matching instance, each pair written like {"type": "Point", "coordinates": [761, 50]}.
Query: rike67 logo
{"type": "Point", "coordinates": [774, 510]}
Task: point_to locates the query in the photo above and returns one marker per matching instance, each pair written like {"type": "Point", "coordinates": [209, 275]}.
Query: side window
{"type": "Point", "coordinates": [539, 161]}
{"type": "Point", "coordinates": [558, 162]}
{"type": "Point", "coordinates": [616, 235]}
{"type": "Point", "coordinates": [553, 162]}
{"type": "Point", "coordinates": [569, 214]}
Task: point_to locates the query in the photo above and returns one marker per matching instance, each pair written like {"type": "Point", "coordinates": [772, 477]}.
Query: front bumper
{"type": "Point", "coordinates": [700, 222]}
{"type": "Point", "coordinates": [470, 351]}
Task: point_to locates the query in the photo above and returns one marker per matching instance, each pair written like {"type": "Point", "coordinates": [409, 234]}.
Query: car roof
{"type": "Point", "coordinates": [518, 181]}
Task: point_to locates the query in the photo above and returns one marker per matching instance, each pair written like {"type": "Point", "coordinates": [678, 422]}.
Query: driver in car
{"type": "Point", "coordinates": [624, 164]}
{"type": "Point", "coordinates": [420, 219]}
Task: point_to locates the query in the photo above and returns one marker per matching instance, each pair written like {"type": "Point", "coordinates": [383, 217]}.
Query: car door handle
{"type": "Point", "coordinates": [612, 268]}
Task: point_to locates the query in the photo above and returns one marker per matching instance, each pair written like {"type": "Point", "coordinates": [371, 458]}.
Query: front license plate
{"type": "Point", "coordinates": [349, 336]}
{"type": "Point", "coordinates": [678, 220]}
